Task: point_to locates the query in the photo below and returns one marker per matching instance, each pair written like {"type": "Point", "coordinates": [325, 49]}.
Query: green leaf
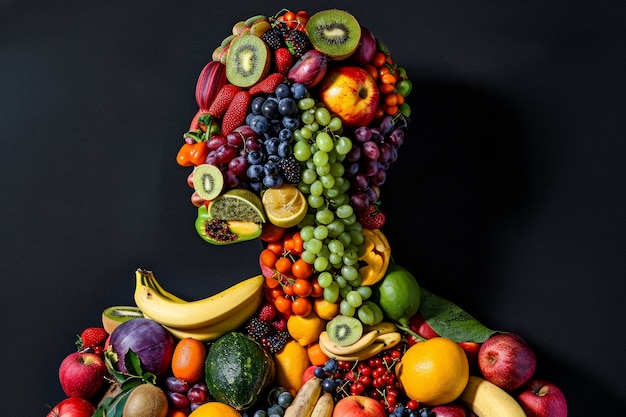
{"type": "Point", "coordinates": [113, 407]}
{"type": "Point", "coordinates": [451, 321]}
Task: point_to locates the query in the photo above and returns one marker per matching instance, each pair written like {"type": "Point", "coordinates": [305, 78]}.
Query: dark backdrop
{"type": "Point", "coordinates": [508, 196]}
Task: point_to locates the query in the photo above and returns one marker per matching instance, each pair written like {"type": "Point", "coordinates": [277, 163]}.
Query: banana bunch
{"type": "Point", "coordinates": [205, 319]}
{"type": "Point", "coordinates": [376, 255]}
{"type": "Point", "coordinates": [310, 401]}
{"type": "Point", "coordinates": [486, 399]}
{"type": "Point", "coordinates": [375, 339]}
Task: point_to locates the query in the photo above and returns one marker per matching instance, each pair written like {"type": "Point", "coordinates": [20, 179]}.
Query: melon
{"type": "Point", "coordinates": [238, 370]}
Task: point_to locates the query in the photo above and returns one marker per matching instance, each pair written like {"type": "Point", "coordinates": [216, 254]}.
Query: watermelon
{"type": "Point", "coordinates": [238, 370]}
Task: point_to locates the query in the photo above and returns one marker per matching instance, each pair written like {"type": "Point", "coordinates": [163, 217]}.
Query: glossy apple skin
{"type": "Point", "coordinates": [506, 360]}
{"type": "Point", "coordinates": [82, 374]}
{"type": "Point", "coordinates": [358, 406]}
{"type": "Point", "coordinates": [450, 410]}
{"type": "Point", "coordinates": [308, 373]}
{"type": "Point", "coordinates": [351, 93]}
{"type": "Point", "coordinates": [540, 398]}
{"type": "Point", "coordinates": [72, 407]}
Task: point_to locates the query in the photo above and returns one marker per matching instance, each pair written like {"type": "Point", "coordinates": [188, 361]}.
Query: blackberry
{"type": "Point", "coordinates": [290, 169]}
{"type": "Point", "coordinates": [257, 328]}
{"type": "Point", "coordinates": [273, 38]}
{"type": "Point", "coordinates": [298, 42]}
{"type": "Point", "coordinates": [275, 342]}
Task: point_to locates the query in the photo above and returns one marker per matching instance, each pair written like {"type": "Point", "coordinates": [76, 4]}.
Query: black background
{"type": "Point", "coordinates": [514, 163]}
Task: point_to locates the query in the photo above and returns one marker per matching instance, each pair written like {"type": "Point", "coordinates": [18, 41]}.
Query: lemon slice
{"type": "Point", "coordinates": [285, 206]}
{"type": "Point", "coordinates": [237, 204]}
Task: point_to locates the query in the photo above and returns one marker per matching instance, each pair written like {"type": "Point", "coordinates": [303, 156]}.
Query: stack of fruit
{"type": "Point", "coordinates": [299, 118]}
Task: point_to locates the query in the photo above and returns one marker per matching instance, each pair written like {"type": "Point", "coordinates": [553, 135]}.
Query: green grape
{"type": "Point", "coordinates": [308, 256]}
{"type": "Point", "coordinates": [335, 246]}
{"type": "Point", "coordinates": [350, 219]}
{"type": "Point", "coordinates": [341, 281]}
{"type": "Point", "coordinates": [332, 192]}
{"type": "Point", "coordinates": [335, 258]}
{"type": "Point", "coordinates": [313, 245]}
{"type": "Point", "coordinates": [325, 216]}
{"type": "Point", "coordinates": [320, 158]}
{"type": "Point", "coordinates": [321, 263]}
{"type": "Point", "coordinates": [309, 163]}
{"type": "Point", "coordinates": [309, 219]}
{"type": "Point", "coordinates": [344, 238]}
{"type": "Point", "coordinates": [322, 170]}
{"type": "Point", "coordinates": [308, 176]}
{"type": "Point", "coordinates": [304, 188]}
{"type": "Point", "coordinates": [354, 298]}
{"type": "Point", "coordinates": [343, 145]}
{"type": "Point", "coordinates": [343, 291]}
{"type": "Point", "coordinates": [325, 279]}
{"type": "Point", "coordinates": [308, 117]}
{"type": "Point", "coordinates": [356, 237]}
{"type": "Point", "coordinates": [306, 103]}
{"type": "Point", "coordinates": [314, 126]}
{"type": "Point", "coordinates": [337, 170]}
{"type": "Point", "coordinates": [356, 227]}
{"type": "Point", "coordinates": [315, 201]}
{"type": "Point", "coordinates": [335, 124]}
{"type": "Point", "coordinates": [340, 199]}
{"type": "Point", "coordinates": [320, 232]}
{"type": "Point", "coordinates": [335, 228]}
{"type": "Point", "coordinates": [306, 133]}
{"type": "Point", "coordinates": [317, 188]}
{"type": "Point", "coordinates": [344, 186]}
{"type": "Point", "coordinates": [344, 211]}
{"type": "Point", "coordinates": [306, 233]}
{"type": "Point", "coordinates": [365, 291]}
{"type": "Point", "coordinates": [328, 181]}
{"type": "Point", "coordinates": [350, 256]}
{"type": "Point", "coordinates": [301, 151]}
{"type": "Point", "coordinates": [331, 293]}
{"type": "Point", "coordinates": [370, 313]}
{"type": "Point", "coordinates": [324, 142]}
{"type": "Point", "coordinates": [324, 252]}
{"type": "Point", "coordinates": [332, 156]}
{"type": "Point", "coordinates": [322, 115]}
{"type": "Point", "coordinates": [346, 309]}
{"type": "Point", "coordinates": [349, 272]}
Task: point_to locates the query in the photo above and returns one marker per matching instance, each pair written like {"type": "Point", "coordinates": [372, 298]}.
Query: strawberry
{"type": "Point", "coordinates": [235, 115]}
{"type": "Point", "coordinates": [268, 84]}
{"type": "Point", "coordinates": [283, 60]}
{"type": "Point", "coordinates": [223, 99]}
{"type": "Point", "coordinates": [372, 217]}
{"type": "Point", "coordinates": [92, 338]}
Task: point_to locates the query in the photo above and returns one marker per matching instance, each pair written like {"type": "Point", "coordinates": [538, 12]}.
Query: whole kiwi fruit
{"type": "Point", "coordinates": [146, 400]}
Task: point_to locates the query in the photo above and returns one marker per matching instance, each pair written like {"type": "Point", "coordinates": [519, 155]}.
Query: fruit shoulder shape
{"type": "Point", "coordinates": [238, 370]}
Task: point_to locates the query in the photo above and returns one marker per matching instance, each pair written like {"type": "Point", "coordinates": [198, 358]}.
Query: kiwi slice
{"type": "Point", "coordinates": [335, 33]}
{"type": "Point", "coordinates": [344, 330]}
{"type": "Point", "coordinates": [208, 181]}
{"type": "Point", "coordinates": [238, 204]}
{"type": "Point", "coordinates": [116, 315]}
{"type": "Point", "coordinates": [248, 60]}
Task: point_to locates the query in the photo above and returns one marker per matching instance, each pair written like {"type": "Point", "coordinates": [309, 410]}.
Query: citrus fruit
{"type": "Point", "coordinates": [291, 362]}
{"type": "Point", "coordinates": [316, 356]}
{"type": "Point", "coordinates": [398, 294]}
{"type": "Point", "coordinates": [188, 359]}
{"type": "Point", "coordinates": [237, 204]}
{"type": "Point", "coordinates": [215, 409]}
{"type": "Point", "coordinates": [324, 309]}
{"type": "Point", "coordinates": [305, 329]}
{"type": "Point", "coordinates": [433, 372]}
{"type": "Point", "coordinates": [285, 206]}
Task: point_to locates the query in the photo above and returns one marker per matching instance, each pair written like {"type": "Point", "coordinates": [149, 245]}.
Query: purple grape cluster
{"type": "Point", "coordinates": [374, 149]}
{"type": "Point", "coordinates": [185, 396]}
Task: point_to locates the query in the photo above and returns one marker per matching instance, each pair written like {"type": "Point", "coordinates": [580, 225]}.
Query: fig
{"type": "Point", "coordinates": [309, 69]}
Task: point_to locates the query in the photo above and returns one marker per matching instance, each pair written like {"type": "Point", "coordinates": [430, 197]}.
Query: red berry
{"type": "Point", "coordinates": [267, 312]}
{"type": "Point", "coordinates": [92, 337]}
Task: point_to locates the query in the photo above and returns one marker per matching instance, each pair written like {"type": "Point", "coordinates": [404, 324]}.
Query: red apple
{"type": "Point", "coordinates": [82, 374]}
{"type": "Point", "coordinates": [541, 398]}
{"type": "Point", "coordinates": [471, 351]}
{"type": "Point", "coordinates": [506, 360]}
{"type": "Point", "coordinates": [358, 406]}
{"type": "Point", "coordinates": [72, 407]}
{"type": "Point", "coordinates": [418, 324]}
{"type": "Point", "coordinates": [308, 373]}
{"type": "Point", "coordinates": [351, 93]}
{"type": "Point", "coordinates": [449, 410]}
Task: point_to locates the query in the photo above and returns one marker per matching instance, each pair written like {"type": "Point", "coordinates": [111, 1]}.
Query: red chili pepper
{"type": "Point", "coordinates": [192, 154]}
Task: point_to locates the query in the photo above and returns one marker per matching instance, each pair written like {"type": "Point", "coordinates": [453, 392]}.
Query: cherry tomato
{"type": "Point", "coordinates": [302, 287]}
{"type": "Point", "coordinates": [301, 269]}
{"type": "Point", "coordinates": [283, 305]}
{"type": "Point", "coordinates": [268, 258]}
{"type": "Point", "coordinates": [301, 306]}
{"type": "Point", "coordinates": [317, 290]}
{"type": "Point", "coordinates": [276, 247]}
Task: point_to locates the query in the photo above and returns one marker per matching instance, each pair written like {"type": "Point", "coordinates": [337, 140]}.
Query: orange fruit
{"type": "Point", "coordinates": [324, 309]}
{"type": "Point", "coordinates": [316, 356]}
{"type": "Point", "coordinates": [215, 409]}
{"type": "Point", "coordinates": [433, 372]}
{"type": "Point", "coordinates": [285, 206]}
{"type": "Point", "coordinates": [188, 359]}
{"type": "Point", "coordinates": [291, 362]}
{"type": "Point", "coordinates": [305, 329]}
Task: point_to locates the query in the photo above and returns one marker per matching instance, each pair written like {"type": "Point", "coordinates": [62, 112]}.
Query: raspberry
{"type": "Point", "coordinates": [267, 312]}
{"type": "Point", "coordinates": [280, 325]}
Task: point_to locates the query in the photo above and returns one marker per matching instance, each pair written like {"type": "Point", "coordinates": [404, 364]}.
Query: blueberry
{"type": "Point", "coordinates": [285, 134]}
{"type": "Point", "coordinates": [249, 117]}
{"type": "Point", "coordinates": [271, 145]}
{"type": "Point", "coordinates": [269, 109]}
{"type": "Point", "coordinates": [255, 157]}
{"type": "Point", "coordinates": [275, 158]}
{"type": "Point", "coordinates": [256, 186]}
{"type": "Point", "coordinates": [255, 172]}
{"type": "Point", "coordinates": [272, 181]}
{"type": "Point", "coordinates": [291, 122]}
{"type": "Point", "coordinates": [282, 91]}
{"type": "Point", "coordinates": [259, 124]}
{"type": "Point", "coordinates": [399, 410]}
{"type": "Point", "coordinates": [328, 385]}
{"type": "Point", "coordinates": [298, 91]}
{"type": "Point", "coordinates": [319, 372]}
{"type": "Point", "coordinates": [270, 168]}
{"type": "Point", "coordinates": [256, 104]}
{"type": "Point", "coordinates": [285, 399]}
{"type": "Point", "coordinates": [259, 413]}
{"type": "Point", "coordinates": [331, 365]}
{"type": "Point", "coordinates": [287, 106]}
{"type": "Point", "coordinates": [275, 409]}
{"type": "Point", "coordinates": [284, 149]}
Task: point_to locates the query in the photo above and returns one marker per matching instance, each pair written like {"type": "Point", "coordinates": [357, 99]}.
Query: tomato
{"type": "Point", "coordinates": [283, 305]}
{"type": "Point", "coordinates": [276, 247]}
{"type": "Point", "coordinates": [301, 269]}
{"type": "Point", "coordinates": [317, 290]}
{"type": "Point", "coordinates": [283, 265]}
{"type": "Point", "coordinates": [302, 287]}
{"type": "Point", "coordinates": [271, 232]}
{"type": "Point", "coordinates": [302, 306]}
{"type": "Point", "coordinates": [268, 258]}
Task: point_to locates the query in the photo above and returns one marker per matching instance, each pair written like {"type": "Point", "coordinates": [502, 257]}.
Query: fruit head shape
{"type": "Point", "coordinates": [152, 343]}
{"type": "Point", "coordinates": [398, 294]}
{"type": "Point", "coordinates": [82, 374]}
{"type": "Point", "coordinates": [351, 93]}
{"type": "Point", "coordinates": [506, 360]}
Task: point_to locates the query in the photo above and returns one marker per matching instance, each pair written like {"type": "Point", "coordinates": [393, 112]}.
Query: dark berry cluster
{"type": "Point", "coordinates": [268, 329]}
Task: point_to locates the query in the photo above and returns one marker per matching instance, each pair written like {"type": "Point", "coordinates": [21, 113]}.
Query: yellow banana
{"type": "Point", "coordinates": [214, 331]}
{"type": "Point", "coordinates": [364, 341]}
{"type": "Point", "coordinates": [390, 339]}
{"type": "Point", "coordinates": [324, 406]}
{"type": "Point", "coordinates": [382, 327]}
{"type": "Point", "coordinates": [486, 399]}
{"type": "Point", "coordinates": [306, 398]}
{"type": "Point", "coordinates": [200, 313]}
{"type": "Point", "coordinates": [150, 280]}
{"type": "Point", "coordinates": [382, 342]}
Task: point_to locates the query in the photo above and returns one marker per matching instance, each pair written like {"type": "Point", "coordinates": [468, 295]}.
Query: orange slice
{"type": "Point", "coordinates": [285, 206]}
